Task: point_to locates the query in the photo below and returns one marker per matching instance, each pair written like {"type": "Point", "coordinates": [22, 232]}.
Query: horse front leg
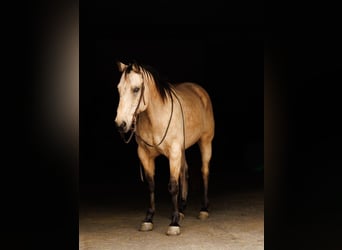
{"type": "Point", "coordinates": [175, 167]}
{"type": "Point", "coordinates": [149, 169]}
{"type": "Point", "coordinates": [183, 187]}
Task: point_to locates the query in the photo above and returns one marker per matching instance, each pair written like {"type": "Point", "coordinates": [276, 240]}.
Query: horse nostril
{"type": "Point", "coordinates": [122, 126]}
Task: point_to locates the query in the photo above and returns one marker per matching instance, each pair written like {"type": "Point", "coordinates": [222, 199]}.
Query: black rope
{"type": "Point", "coordinates": [167, 128]}
{"type": "Point", "coordinates": [181, 107]}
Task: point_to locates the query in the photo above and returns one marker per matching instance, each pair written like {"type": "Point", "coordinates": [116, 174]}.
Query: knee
{"type": "Point", "coordinates": [173, 187]}
{"type": "Point", "coordinates": [150, 181]}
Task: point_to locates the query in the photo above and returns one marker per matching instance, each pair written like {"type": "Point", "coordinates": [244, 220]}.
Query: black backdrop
{"type": "Point", "coordinates": [230, 68]}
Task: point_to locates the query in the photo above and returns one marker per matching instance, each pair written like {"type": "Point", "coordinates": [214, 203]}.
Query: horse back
{"type": "Point", "coordinates": [190, 92]}
{"type": "Point", "coordinates": [197, 106]}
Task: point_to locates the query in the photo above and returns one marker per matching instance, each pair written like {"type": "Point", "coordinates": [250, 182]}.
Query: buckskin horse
{"type": "Point", "coordinates": [166, 119]}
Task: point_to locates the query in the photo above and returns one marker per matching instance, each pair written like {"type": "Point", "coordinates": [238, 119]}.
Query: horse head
{"type": "Point", "coordinates": [131, 90]}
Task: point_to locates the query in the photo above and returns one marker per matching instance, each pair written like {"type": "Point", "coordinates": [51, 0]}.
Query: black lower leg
{"type": "Point", "coordinates": [182, 197]}
{"type": "Point", "coordinates": [182, 205]}
{"type": "Point", "coordinates": [205, 206]}
{"type": "Point", "coordinates": [205, 202]}
{"type": "Point", "coordinates": [151, 210]}
{"type": "Point", "coordinates": [149, 215]}
{"type": "Point", "coordinates": [183, 188]}
{"type": "Point", "coordinates": [174, 189]}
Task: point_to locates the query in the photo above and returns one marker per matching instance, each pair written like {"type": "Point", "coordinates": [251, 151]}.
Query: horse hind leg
{"type": "Point", "coordinates": [206, 152]}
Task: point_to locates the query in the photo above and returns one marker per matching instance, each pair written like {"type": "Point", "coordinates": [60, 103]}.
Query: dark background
{"type": "Point", "coordinates": [231, 69]}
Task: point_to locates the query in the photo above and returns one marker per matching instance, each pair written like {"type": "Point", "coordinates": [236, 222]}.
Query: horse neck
{"type": "Point", "coordinates": [157, 110]}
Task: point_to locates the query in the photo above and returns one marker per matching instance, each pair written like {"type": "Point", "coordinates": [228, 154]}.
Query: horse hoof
{"type": "Point", "coordinates": [173, 230]}
{"type": "Point", "coordinates": [203, 215]}
{"type": "Point", "coordinates": [146, 226]}
{"type": "Point", "coordinates": [181, 217]}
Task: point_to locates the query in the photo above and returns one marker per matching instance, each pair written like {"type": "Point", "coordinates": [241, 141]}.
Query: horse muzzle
{"type": "Point", "coordinates": [121, 127]}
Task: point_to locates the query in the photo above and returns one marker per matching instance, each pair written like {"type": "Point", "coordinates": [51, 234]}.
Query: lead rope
{"type": "Point", "coordinates": [183, 121]}
{"type": "Point", "coordinates": [181, 107]}
{"type": "Point", "coordinates": [166, 130]}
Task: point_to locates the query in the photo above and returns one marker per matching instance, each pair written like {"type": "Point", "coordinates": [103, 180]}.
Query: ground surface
{"type": "Point", "coordinates": [236, 221]}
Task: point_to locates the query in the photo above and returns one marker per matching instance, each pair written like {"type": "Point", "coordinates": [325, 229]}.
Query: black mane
{"type": "Point", "coordinates": [162, 85]}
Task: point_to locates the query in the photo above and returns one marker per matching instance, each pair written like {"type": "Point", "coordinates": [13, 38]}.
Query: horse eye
{"type": "Point", "coordinates": [136, 89]}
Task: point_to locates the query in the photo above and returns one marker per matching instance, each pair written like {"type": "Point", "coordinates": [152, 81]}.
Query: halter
{"type": "Point", "coordinates": [133, 128]}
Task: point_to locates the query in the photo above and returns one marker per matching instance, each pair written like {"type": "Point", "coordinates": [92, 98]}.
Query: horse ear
{"type": "Point", "coordinates": [135, 67]}
{"type": "Point", "coordinates": [121, 66]}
